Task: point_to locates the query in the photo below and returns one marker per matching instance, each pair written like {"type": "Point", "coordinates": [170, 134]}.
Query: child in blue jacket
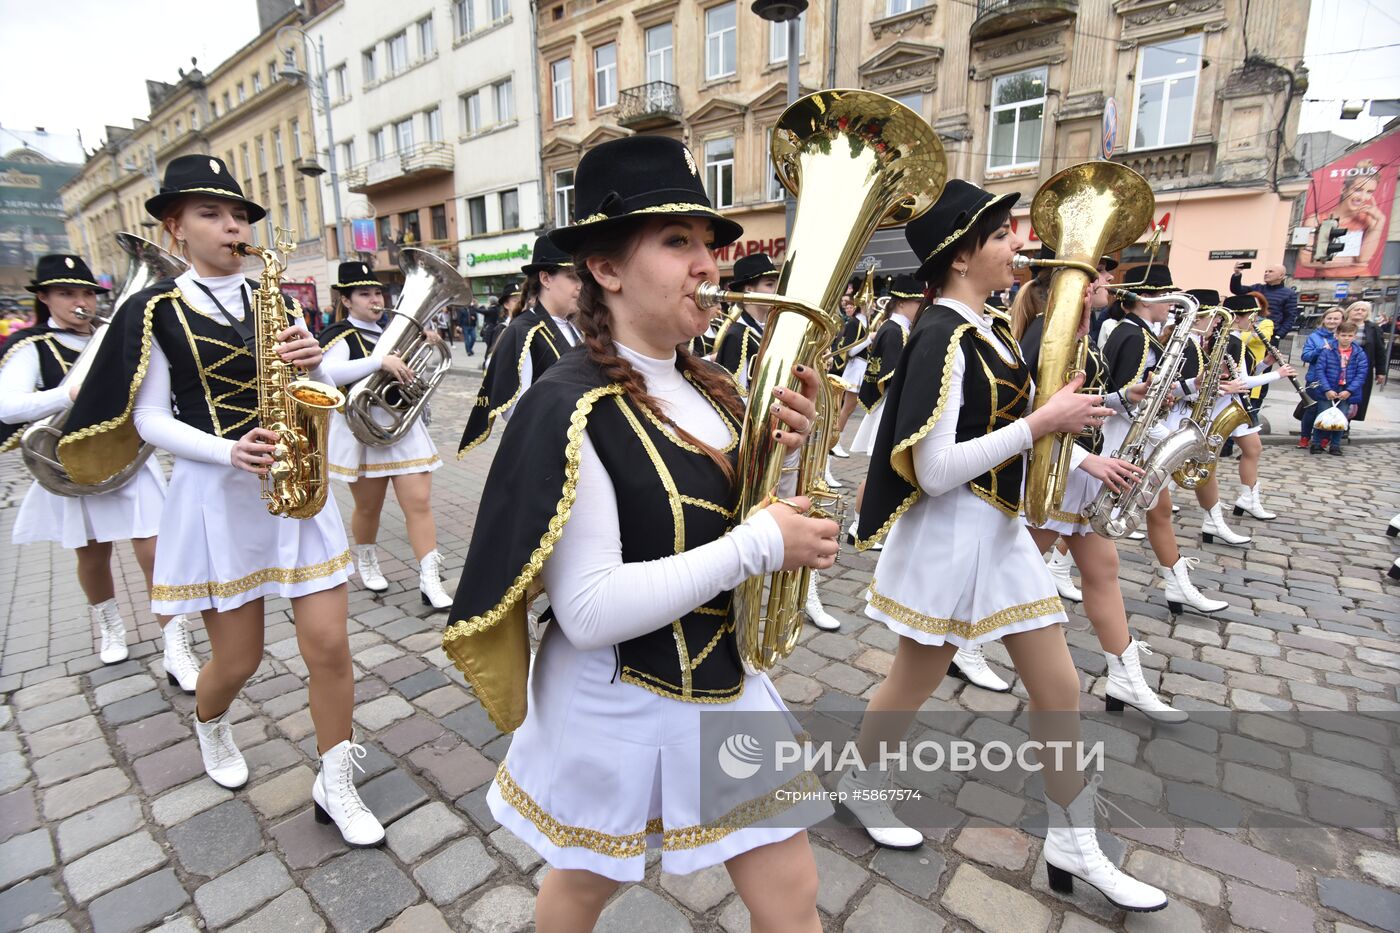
{"type": "Point", "coordinates": [1340, 374]}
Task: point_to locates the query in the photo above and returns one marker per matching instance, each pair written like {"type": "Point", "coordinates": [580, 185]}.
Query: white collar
{"type": "Point", "coordinates": [660, 375]}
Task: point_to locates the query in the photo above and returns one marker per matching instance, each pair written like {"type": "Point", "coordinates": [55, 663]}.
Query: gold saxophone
{"type": "Point", "coordinates": [1194, 471]}
{"type": "Point", "coordinates": [296, 410]}
{"type": "Point", "coordinates": [856, 161]}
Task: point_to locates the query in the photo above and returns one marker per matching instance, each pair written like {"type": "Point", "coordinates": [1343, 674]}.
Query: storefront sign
{"type": "Point", "coordinates": [775, 247]}
{"type": "Point", "coordinates": [1234, 254]}
{"type": "Point", "coordinates": [1392, 291]}
{"type": "Point", "coordinates": [520, 252]}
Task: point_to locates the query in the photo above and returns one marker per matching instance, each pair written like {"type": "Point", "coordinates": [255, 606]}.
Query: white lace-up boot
{"type": "Point", "coordinates": [111, 630]}
{"type": "Point", "coordinates": [367, 563]}
{"type": "Point", "coordinates": [1127, 685]}
{"type": "Point", "coordinates": [430, 581]}
{"type": "Point", "coordinates": [181, 666]}
{"type": "Point", "coordinates": [337, 801]}
{"type": "Point", "coordinates": [841, 452]}
{"type": "Point", "coordinates": [1181, 591]}
{"type": "Point", "coordinates": [222, 760]}
{"type": "Point", "coordinates": [816, 612]}
{"type": "Point", "coordinates": [1249, 502]}
{"type": "Point", "coordinates": [970, 664]}
{"type": "Point", "coordinates": [831, 481]}
{"type": "Point", "coordinates": [1072, 851]}
{"type": "Point", "coordinates": [1213, 526]}
{"type": "Point", "coordinates": [866, 795]}
{"type": "Point", "coordinates": [1060, 565]}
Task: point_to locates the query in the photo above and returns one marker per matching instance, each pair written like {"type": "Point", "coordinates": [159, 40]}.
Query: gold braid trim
{"type": "Point", "coordinates": [178, 593]}
{"type": "Point", "coordinates": [84, 282]}
{"type": "Point", "coordinates": [673, 208]}
{"type": "Point", "coordinates": [495, 412]}
{"type": "Point", "coordinates": [965, 629]}
{"type": "Point", "coordinates": [971, 221]}
{"type": "Point", "coordinates": [388, 465]}
{"type": "Point", "coordinates": [902, 457]}
{"type": "Point", "coordinates": [672, 692]}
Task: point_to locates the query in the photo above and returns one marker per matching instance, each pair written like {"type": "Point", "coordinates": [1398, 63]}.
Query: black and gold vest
{"type": "Point", "coordinates": [995, 393]}
{"type": "Point", "coordinates": [360, 342]}
{"type": "Point", "coordinates": [55, 359]}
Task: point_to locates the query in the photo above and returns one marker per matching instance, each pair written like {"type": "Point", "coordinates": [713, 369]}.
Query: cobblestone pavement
{"type": "Point", "coordinates": [107, 822]}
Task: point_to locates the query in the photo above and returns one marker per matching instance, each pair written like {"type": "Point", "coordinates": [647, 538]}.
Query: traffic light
{"type": "Point", "coordinates": [1330, 240]}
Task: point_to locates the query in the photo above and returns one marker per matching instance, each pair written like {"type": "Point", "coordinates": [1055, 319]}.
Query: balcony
{"type": "Point", "coordinates": [1190, 162]}
{"type": "Point", "coordinates": [416, 164]}
{"type": "Point", "coordinates": [1000, 17]}
{"type": "Point", "coordinates": [648, 106]}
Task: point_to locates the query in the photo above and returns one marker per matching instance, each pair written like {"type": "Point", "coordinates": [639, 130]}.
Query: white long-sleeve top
{"type": "Point", "coordinates": [598, 599]}
{"type": "Point", "coordinates": [21, 398]}
{"type": "Point", "coordinates": [340, 370]}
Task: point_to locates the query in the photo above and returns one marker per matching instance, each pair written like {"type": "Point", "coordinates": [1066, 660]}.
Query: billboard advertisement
{"type": "Point", "coordinates": [31, 214]}
{"type": "Point", "coordinates": [1357, 191]}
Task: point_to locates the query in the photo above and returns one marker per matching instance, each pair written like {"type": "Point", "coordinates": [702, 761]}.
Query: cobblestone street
{"type": "Point", "coordinates": [1285, 823]}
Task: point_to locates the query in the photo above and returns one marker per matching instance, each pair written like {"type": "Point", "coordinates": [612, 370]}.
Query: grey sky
{"type": "Point", "coordinates": [1337, 69]}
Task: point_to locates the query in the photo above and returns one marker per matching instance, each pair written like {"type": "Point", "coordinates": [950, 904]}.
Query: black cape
{"type": "Point", "coordinates": [55, 366]}
{"type": "Point", "coordinates": [882, 359]}
{"type": "Point", "coordinates": [740, 345]}
{"type": "Point", "coordinates": [532, 332]}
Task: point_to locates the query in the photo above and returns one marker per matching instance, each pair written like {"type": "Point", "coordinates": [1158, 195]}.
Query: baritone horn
{"type": "Point", "coordinates": [1081, 213]}
{"type": "Point", "coordinates": [379, 409]}
{"type": "Point", "coordinates": [856, 161]}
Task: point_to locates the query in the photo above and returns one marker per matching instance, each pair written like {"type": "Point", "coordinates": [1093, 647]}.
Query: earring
{"type": "Point", "coordinates": [962, 272]}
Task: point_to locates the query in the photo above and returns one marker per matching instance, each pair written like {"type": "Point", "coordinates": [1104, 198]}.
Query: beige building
{"type": "Point", "coordinates": [1017, 90]}
{"type": "Point", "coordinates": [241, 112]}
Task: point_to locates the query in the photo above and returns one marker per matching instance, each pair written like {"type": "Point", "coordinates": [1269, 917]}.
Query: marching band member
{"type": "Point", "coordinates": [534, 340]}
{"type": "Point", "coordinates": [1253, 378]}
{"type": "Point", "coordinates": [188, 384]}
{"type": "Point", "coordinates": [1130, 353]}
{"type": "Point", "coordinates": [739, 346]}
{"type": "Point", "coordinates": [945, 488]}
{"type": "Point", "coordinates": [634, 428]}
{"type": "Point", "coordinates": [33, 364]}
{"type": "Point", "coordinates": [851, 345]}
{"type": "Point", "coordinates": [351, 355]}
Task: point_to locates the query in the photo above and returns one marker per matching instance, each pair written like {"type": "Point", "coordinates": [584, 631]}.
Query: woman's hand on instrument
{"type": "Point", "coordinates": [795, 413]}
{"type": "Point", "coordinates": [296, 346]}
{"type": "Point", "coordinates": [1233, 387]}
{"type": "Point", "coordinates": [253, 451]}
{"type": "Point", "coordinates": [1287, 372]}
{"type": "Point", "coordinates": [807, 542]}
{"type": "Point", "coordinates": [1117, 475]}
{"type": "Point", "coordinates": [73, 389]}
{"type": "Point", "coordinates": [1136, 393]}
{"type": "Point", "coordinates": [1068, 411]}
{"type": "Point", "coordinates": [397, 368]}
{"type": "Point", "coordinates": [433, 337]}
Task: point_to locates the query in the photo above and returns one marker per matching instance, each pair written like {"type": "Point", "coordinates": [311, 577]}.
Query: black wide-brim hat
{"type": "Point", "coordinates": [59, 269]}
{"type": "Point", "coordinates": [1108, 262]}
{"type": "Point", "coordinates": [1153, 278]}
{"type": "Point", "coordinates": [547, 257]}
{"type": "Point", "coordinates": [955, 212]}
{"type": "Point", "coordinates": [751, 268]}
{"type": "Point", "coordinates": [904, 286]}
{"type": "Point", "coordinates": [1207, 297]}
{"type": "Point", "coordinates": [1242, 304]}
{"type": "Point", "coordinates": [355, 275]}
{"type": "Point", "coordinates": [626, 180]}
{"type": "Point", "coordinates": [200, 175]}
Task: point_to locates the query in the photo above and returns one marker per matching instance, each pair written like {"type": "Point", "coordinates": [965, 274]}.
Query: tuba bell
{"type": "Point", "coordinates": [38, 445]}
{"type": "Point", "coordinates": [856, 161]}
{"type": "Point", "coordinates": [379, 408]}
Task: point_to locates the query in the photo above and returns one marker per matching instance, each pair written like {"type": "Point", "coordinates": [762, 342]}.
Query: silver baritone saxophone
{"type": "Point", "coordinates": [1117, 514]}
{"type": "Point", "coordinates": [380, 409]}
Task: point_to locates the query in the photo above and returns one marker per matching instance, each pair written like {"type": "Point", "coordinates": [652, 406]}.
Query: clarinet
{"type": "Point", "coordinates": [1308, 400]}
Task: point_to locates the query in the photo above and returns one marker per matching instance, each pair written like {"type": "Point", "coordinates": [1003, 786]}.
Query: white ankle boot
{"type": "Point", "coordinates": [1060, 565]}
{"type": "Point", "coordinates": [841, 452]}
{"type": "Point", "coordinates": [1213, 526]}
{"type": "Point", "coordinates": [970, 664]}
{"type": "Point", "coordinates": [1072, 851]}
{"type": "Point", "coordinates": [337, 801]}
{"type": "Point", "coordinates": [367, 563]}
{"type": "Point", "coordinates": [1127, 685]}
{"type": "Point", "coordinates": [181, 666]}
{"type": "Point", "coordinates": [1393, 528]}
{"type": "Point", "coordinates": [111, 631]}
{"type": "Point", "coordinates": [430, 581]}
{"type": "Point", "coordinates": [862, 793]}
{"type": "Point", "coordinates": [1181, 591]}
{"type": "Point", "coordinates": [222, 760]}
{"type": "Point", "coordinates": [831, 481]}
{"type": "Point", "coordinates": [1249, 502]}
{"type": "Point", "coordinates": [816, 612]}
{"type": "Point", "coordinates": [851, 533]}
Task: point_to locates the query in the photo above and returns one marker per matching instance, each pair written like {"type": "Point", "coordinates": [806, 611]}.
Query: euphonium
{"type": "Point", "coordinates": [1082, 213]}
{"type": "Point", "coordinates": [856, 161]}
{"type": "Point", "coordinates": [429, 285]}
{"type": "Point", "coordinates": [296, 410]}
{"type": "Point", "coordinates": [1197, 470]}
{"type": "Point", "coordinates": [38, 445]}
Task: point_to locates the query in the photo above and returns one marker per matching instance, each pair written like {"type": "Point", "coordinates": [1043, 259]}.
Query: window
{"type": "Point", "coordinates": [896, 7]}
{"type": "Point", "coordinates": [1018, 111]}
{"type": "Point", "coordinates": [261, 148]}
{"type": "Point", "coordinates": [257, 83]}
{"type": "Point", "coordinates": [1166, 93]}
{"type": "Point", "coordinates": [510, 210]}
{"type": "Point", "coordinates": [427, 42]}
{"type": "Point", "coordinates": [396, 48]}
{"type": "Point", "coordinates": [412, 232]}
{"type": "Point", "coordinates": [476, 214]}
{"type": "Point", "coordinates": [433, 120]}
{"type": "Point", "coordinates": [214, 108]}
{"type": "Point", "coordinates": [179, 128]}
{"type": "Point", "coordinates": [228, 103]}
{"type": "Point", "coordinates": [164, 136]}
{"type": "Point", "coordinates": [371, 66]}
{"type": "Point", "coordinates": [463, 18]}
{"type": "Point", "coordinates": [504, 93]}
{"type": "Point", "coordinates": [661, 49]}
{"type": "Point", "coordinates": [386, 232]}
{"type": "Point", "coordinates": [242, 94]}
{"type": "Point", "coordinates": [438, 216]}
{"type": "Point", "coordinates": [605, 76]}
{"type": "Point", "coordinates": [500, 9]}
{"type": "Point", "coordinates": [561, 78]}
{"type": "Point", "coordinates": [304, 219]}
{"type": "Point", "coordinates": [778, 40]}
{"type": "Point", "coordinates": [719, 171]}
{"type": "Point", "coordinates": [471, 111]}
{"type": "Point", "coordinates": [272, 72]}
{"type": "Point", "coordinates": [342, 82]}
{"type": "Point", "coordinates": [563, 196]}
{"type": "Point", "coordinates": [296, 138]}
{"type": "Point", "coordinates": [347, 153]}
{"type": "Point", "coordinates": [379, 143]}
{"type": "Point", "coordinates": [773, 189]}
{"type": "Point", "coordinates": [914, 101]}
{"type": "Point", "coordinates": [247, 163]}
{"type": "Point", "coordinates": [719, 42]}
{"type": "Point", "coordinates": [403, 134]}
{"type": "Point", "coordinates": [194, 119]}
{"type": "Point", "coordinates": [277, 147]}
{"type": "Point", "coordinates": [285, 216]}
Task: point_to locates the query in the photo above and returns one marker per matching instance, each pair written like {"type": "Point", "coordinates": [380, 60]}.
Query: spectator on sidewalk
{"type": "Point", "coordinates": [1283, 299]}
{"type": "Point", "coordinates": [1324, 338]}
{"type": "Point", "coordinates": [466, 319]}
{"type": "Point", "coordinates": [1370, 338]}
{"type": "Point", "coordinates": [1341, 375]}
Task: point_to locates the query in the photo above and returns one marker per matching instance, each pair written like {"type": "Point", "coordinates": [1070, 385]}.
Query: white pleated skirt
{"type": "Point", "coordinates": [133, 511]}
{"type": "Point", "coordinates": [220, 548]}
{"type": "Point", "coordinates": [864, 442]}
{"type": "Point", "coordinates": [854, 373]}
{"type": "Point", "coordinates": [601, 771]}
{"type": "Point", "coordinates": [349, 460]}
{"type": "Point", "coordinates": [1080, 490]}
{"type": "Point", "coordinates": [1242, 430]}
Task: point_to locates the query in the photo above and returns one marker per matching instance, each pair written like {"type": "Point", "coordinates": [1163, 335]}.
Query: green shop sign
{"type": "Point", "coordinates": [520, 252]}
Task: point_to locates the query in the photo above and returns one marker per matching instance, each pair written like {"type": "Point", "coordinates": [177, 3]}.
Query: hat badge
{"type": "Point", "coordinates": [690, 162]}
{"type": "Point", "coordinates": [68, 261]}
{"type": "Point", "coordinates": [214, 166]}
{"type": "Point", "coordinates": [364, 269]}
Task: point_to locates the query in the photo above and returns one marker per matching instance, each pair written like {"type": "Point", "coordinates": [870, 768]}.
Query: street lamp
{"type": "Point", "coordinates": [790, 12]}
{"type": "Point", "coordinates": [319, 90]}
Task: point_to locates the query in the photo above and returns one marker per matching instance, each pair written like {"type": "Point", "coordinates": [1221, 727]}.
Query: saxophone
{"type": "Point", "coordinates": [296, 410]}
{"type": "Point", "coordinates": [1117, 514]}
{"type": "Point", "coordinates": [1195, 471]}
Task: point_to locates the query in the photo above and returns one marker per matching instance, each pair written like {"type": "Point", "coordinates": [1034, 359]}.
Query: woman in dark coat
{"type": "Point", "coordinates": [1371, 338]}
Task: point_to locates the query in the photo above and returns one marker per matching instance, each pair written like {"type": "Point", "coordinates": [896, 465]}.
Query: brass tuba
{"type": "Point", "coordinates": [1082, 213]}
{"type": "Point", "coordinates": [856, 161]}
{"type": "Point", "coordinates": [1196, 471]}
{"type": "Point", "coordinates": [297, 410]}
{"type": "Point", "coordinates": [38, 445]}
{"type": "Point", "coordinates": [429, 285]}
